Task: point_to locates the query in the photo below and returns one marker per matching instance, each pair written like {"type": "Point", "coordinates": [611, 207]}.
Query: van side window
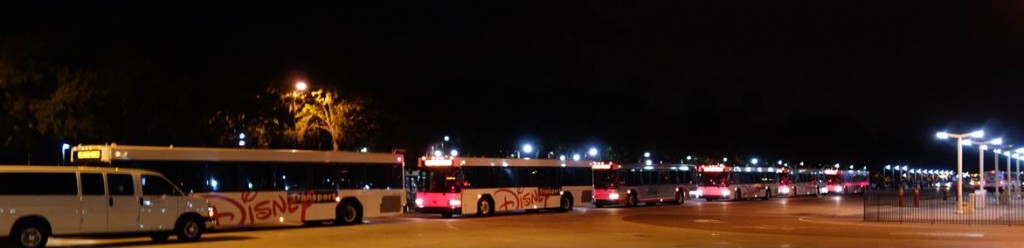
{"type": "Point", "coordinates": [120, 184]}
{"type": "Point", "coordinates": [154, 185]}
{"type": "Point", "coordinates": [92, 184]}
{"type": "Point", "coordinates": [38, 183]}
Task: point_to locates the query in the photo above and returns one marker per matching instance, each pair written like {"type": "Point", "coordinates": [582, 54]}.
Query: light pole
{"type": "Point", "coordinates": [960, 160]}
{"type": "Point", "coordinates": [64, 149]}
{"type": "Point", "coordinates": [981, 161]}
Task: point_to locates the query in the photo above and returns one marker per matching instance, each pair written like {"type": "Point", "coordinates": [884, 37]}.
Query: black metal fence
{"type": "Point", "coordinates": [939, 206]}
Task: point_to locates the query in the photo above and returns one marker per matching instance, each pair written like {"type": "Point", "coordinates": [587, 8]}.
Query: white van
{"type": "Point", "coordinates": [37, 202]}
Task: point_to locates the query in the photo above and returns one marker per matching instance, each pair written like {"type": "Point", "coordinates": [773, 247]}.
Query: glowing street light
{"type": "Point", "coordinates": [592, 152]}
{"type": "Point", "coordinates": [561, 157]}
{"type": "Point", "coordinates": [438, 153]}
{"type": "Point", "coordinates": [527, 148]}
{"type": "Point", "coordinates": [779, 162]}
{"type": "Point", "coordinates": [446, 138]}
{"type": "Point", "coordinates": [960, 161]}
{"type": "Point", "coordinates": [647, 154]}
{"type": "Point", "coordinates": [454, 153]}
{"type": "Point", "coordinates": [754, 161]}
{"type": "Point", "coordinates": [301, 86]}
{"type": "Point", "coordinates": [576, 157]}
{"type": "Point", "coordinates": [364, 150]}
{"type": "Point", "coordinates": [689, 158]}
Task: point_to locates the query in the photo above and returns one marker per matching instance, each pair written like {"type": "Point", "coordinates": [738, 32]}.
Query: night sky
{"type": "Point", "coordinates": [850, 82]}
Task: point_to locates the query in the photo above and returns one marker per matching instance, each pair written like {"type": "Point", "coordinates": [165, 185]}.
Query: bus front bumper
{"type": "Point", "coordinates": [439, 210]}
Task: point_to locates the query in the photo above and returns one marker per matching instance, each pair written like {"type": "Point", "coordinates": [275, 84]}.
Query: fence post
{"type": "Point", "coordinates": [917, 197]}
{"type": "Point", "coordinates": [900, 193]}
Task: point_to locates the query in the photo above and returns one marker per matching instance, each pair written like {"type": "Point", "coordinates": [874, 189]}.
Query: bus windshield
{"type": "Point", "coordinates": [713, 178]}
{"type": "Point", "coordinates": [605, 178]}
{"type": "Point", "coordinates": [440, 179]}
{"type": "Point", "coordinates": [833, 178]}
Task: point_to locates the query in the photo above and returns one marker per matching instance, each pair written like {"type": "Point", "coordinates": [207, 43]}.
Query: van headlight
{"type": "Point", "coordinates": [613, 196]}
{"type": "Point", "coordinates": [419, 202]}
{"type": "Point", "coordinates": [726, 192]}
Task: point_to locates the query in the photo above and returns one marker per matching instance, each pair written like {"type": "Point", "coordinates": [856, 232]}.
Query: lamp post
{"type": "Point", "coordinates": [981, 160]}
{"type": "Point", "coordinates": [64, 149]}
{"type": "Point", "coordinates": [960, 160]}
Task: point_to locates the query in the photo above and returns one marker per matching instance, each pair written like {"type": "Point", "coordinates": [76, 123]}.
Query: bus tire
{"type": "Point", "coordinates": [349, 212]}
{"type": "Point", "coordinates": [485, 206]}
{"type": "Point", "coordinates": [189, 228]}
{"type": "Point", "coordinates": [32, 232]}
{"type": "Point", "coordinates": [632, 201]}
{"type": "Point", "coordinates": [739, 195]}
{"type": "Point", "coordinates": [680, 198]}
{"type": "Point", "coordinates": [565, 204]}
{"type": "Point", "coordinates": [446, 215]}
{"type": "Point", "coordinates": [768, 193]}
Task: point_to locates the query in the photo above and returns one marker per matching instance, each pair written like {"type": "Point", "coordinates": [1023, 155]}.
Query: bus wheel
{"type": "Point", "coordinates": [739, 195]}
{"type": "Point", "coordinates": [446, 215]}
{"type": "Point", "coordinates": [29, 234]}
{"type": "Point", "coordinates": [348, 214]}
{"type": "Point", "coordinates": [633, 201]}
{"type": "Point", "coordinates": [566, 204]}
{"type": "Point", "coordinates": [680, 198]}
{"type": "Point", "coordinates": [768, 194]}
{"type": "Point", "coordinates": [484, 206]}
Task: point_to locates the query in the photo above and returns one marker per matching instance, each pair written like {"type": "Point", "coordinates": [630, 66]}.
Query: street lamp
{"type": "Point", "coordinates": [576, 157]}
{"type": "Point", "coordinates": [592, 152]}
{"type": "Point", "coordinates": [63, 149]}
{"type": "Point", "coordinates": [454, 153]}
{"type": "Point", "coordinates": [647, 154]}
{"type": "Point", "coordinates": [301, 86]}
{"type": "Point", "coordinates": [960, 160]}
{"type": "Point", "coordinates": [981, 161]}
{"type": "Point", "coordinates": [754, 161]}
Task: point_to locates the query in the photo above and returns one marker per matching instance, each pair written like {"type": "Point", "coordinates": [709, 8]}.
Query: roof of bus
{"type": "Point", "coordinates": [522, 162]}
{"type": "Point", "coordinates": [64, 168]}
{"type": "Point", "coordinates": [172, 153]}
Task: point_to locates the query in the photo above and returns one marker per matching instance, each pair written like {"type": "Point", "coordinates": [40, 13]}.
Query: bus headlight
{"type": "Point", "coordinates": [784, 190]}
{"type": "Point", "coordinates": [454, 203]}
{"type": "Point", "coordinates": [726, 192]}
{"type": "Point", "coordinates": [613, 196]}
{"type": "Point", "coordinates": [838, 189]}
{"type": "Point", "coordinates": [419, 202]}
{"type": "Point", "coordinates": [700, 192]}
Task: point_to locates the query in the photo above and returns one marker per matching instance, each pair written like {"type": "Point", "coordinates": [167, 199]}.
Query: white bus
{"type": "Point", "coordinates": [797, 182]}
{"type": "Point", "coordinates": [255, 187]}
{"type": "Point", "coordinates": [484, 186]}
{"type": "Point", "coordinates": [737, 183]}
{"type": "Point", "coordinates": [37, 202]}
{"type": "Point", "coordinates": [632, 184]}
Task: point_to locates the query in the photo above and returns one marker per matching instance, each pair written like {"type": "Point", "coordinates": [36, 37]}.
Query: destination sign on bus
{"type": "Point", "coordinates": [87, 155]}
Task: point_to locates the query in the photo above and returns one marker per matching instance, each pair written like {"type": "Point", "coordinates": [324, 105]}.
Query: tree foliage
{"type": "Point", "coordinates": [323, 111]}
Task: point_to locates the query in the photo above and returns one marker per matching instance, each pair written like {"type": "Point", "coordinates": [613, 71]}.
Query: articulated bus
{"type": "Point", "coordinates": [797, 182]}
{"type": "Point", "coordinates": [845, 182]}
{"type": "Point", "coordinates": [484, 186]}
{"type": "Point", "coordinates": [632, 184]}
{"type": "Point", "coordinates": [736, 183]}
{"type": "Point", "coordinates": [258, 187]}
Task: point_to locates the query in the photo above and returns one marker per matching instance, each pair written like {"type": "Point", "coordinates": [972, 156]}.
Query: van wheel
{"type": "Point", "coordinates": [189, 229]}
{"type": "Point", "coordinates": [348, 214]}
{"type": "Point", "coordinates": [29, 234]}
{"type": "Point", "coordinates": [680, 198]}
